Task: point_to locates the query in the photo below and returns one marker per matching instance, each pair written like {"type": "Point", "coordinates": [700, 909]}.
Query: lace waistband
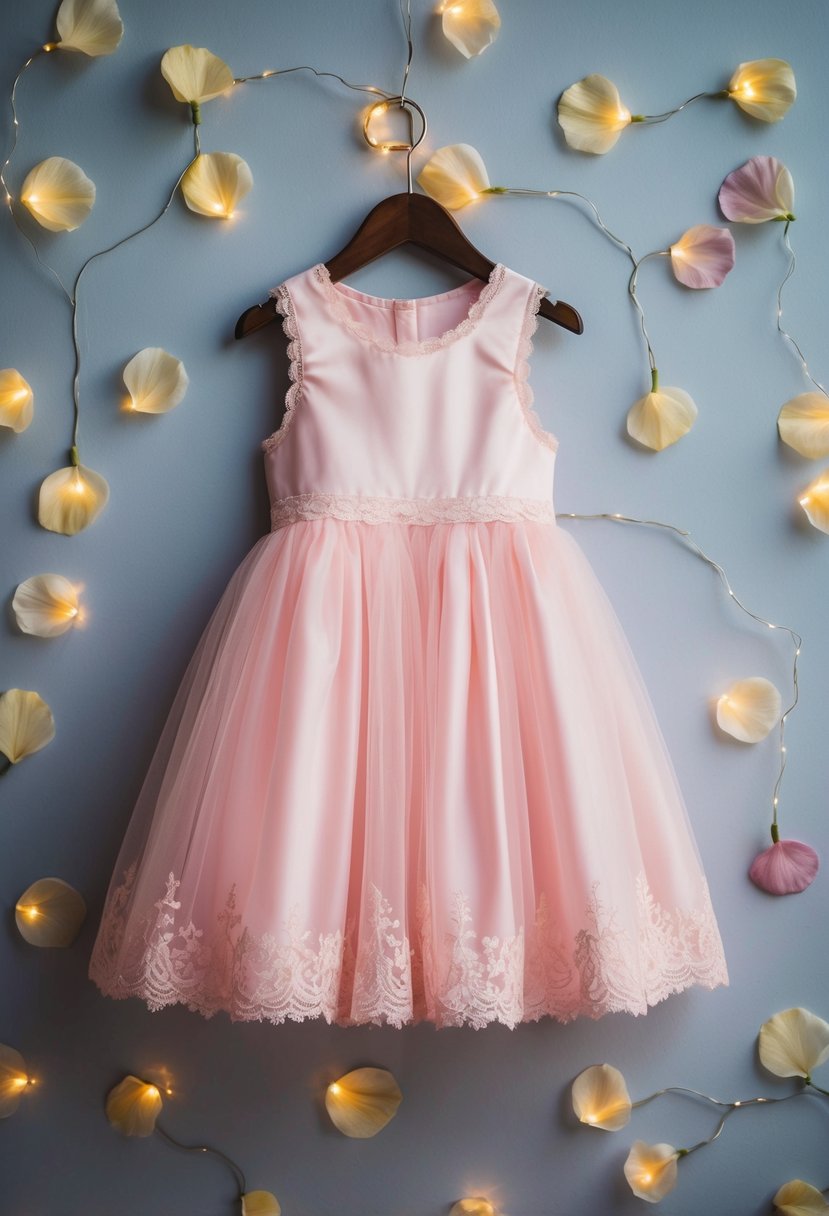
{"type": "Point", "coordinates": [377, 510]}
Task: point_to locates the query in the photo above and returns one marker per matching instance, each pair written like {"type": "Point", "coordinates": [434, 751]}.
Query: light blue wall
{"type": "Point", "coordinates": [483, 1111]}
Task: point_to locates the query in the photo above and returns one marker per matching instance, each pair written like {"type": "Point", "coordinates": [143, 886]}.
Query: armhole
{"type": "Point", "coordinates": [285, 306]}
{"type": "Point", "coordinates": [522, 368]}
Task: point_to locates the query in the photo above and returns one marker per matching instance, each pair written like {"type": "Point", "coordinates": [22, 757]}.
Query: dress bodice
{"type": "Point", "coordinates": [415, 409]}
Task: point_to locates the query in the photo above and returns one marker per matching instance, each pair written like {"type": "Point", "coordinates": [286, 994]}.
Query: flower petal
{"type": "Point", "coordinates": [215, 182]}
{"type": "Point", "coordinates": [798, 1198]}
{"type": "Point", "coordinates": [600, 1097]}
{"type": "Point", "coordinates": [363, 1101]}
{"type": "Point", "coordinates": [815, 501]}
{"type": "Point", "coordinates": [50, 913]}
{"type": "Point", "coordinates": [260, 1203]}
{"type": "Point", "coordinates": [660, 418]}
{"type": "Point", "coordinates": [803, 423]}
{"type": "Point", "coordinates": [58, 194]}
{"type": "Point", "coordinates": [764, 88]}
{"type": "Point", "coordinates": [13, 1079]}
{"type": "Point", "coordinates": [591, 114]}
{"type": "Point", "coordinates": [470, 25]}
{"type": "Point", "coordinates": [793, 1042]}
{"type": "Point", "coordinates": [71, 499]}
{"type": "Point", "coordinates": [45, 605]}
{"type": "Point", "coordinates": [26, 723]}
{"type": "Point", "coordinates": [651, 1170]}
{"type": "Point", "coordinates": [749, 709]}
{"type": "Point", "coordinates": [760, 190]}
{"type": "Point", "coordinates": [454, 175]}
{"type": "Point", "coordinates": [473, 1206]}
{"type": "Point", "coordinates": [703, 256]}
{"type": "Point", "coordinates": [91, 26]}
{"type": "Point", "coordinates": [194, 73]}
{"type": "Point", "coordinates": [16, 400]}
{"type": "Point", "coordinates": [786, 868]}
{"type": "Point", "coordinates": [156, 380]}
{"type": "Point", "coordinates": [133, 1106]}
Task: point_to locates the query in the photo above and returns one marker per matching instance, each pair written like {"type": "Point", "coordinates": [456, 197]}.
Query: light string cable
{"type": "Point", "coordinates": [204, 1148]}
{"type": "Point", "coordinates": [651, 119]}
{"type": "Point", "coordinates": [731, 1108]}
{"type": "Point", "coordinates": [796, 639]}
{"type": "Point", "coordinates": [784, 332]}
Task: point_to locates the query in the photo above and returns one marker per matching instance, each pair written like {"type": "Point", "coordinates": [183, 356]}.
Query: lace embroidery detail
{"type": "Point", "coordinates": [285, 305]}
{"type": "Point", "coordinates": [377, 510]}
{"type": "Point", "coordinates": [522, 368]}
{"type": "Point", "coordinates": [427, 345]}
{"type": "Point", "coordinates": [452, 978]}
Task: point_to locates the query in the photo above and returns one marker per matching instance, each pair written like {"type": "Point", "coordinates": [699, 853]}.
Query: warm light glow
{"type": "Point", "coordinates": [334, 1088]}
{"type": "Point", "coordinates": [747, 90]}
{"type": "Point", "coordinates": [30, 198]}
{"type": "Point", "coordinates": [151, 1092]}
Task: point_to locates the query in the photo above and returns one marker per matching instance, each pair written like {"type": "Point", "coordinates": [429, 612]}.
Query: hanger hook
{"type": "Point", "coordinates": [380, 107]}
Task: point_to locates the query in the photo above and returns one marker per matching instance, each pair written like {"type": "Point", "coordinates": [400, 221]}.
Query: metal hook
{"type": "Point", "coordinates": [380, 107]}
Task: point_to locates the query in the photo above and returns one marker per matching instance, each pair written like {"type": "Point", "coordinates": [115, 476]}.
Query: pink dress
{"type": "Point", "coordinates": [412, 771]}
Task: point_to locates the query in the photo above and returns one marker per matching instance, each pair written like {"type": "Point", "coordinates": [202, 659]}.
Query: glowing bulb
{"type": "Point", "coordinates": [20, 1082]}
{"type": "Point", "coordinates": [334, 1088]}
{"type": "Point", "coordinates": [217, 206]}
{"type": "Point", "coordinates": [645, 1179]}
{"type": "Point", "coordinates": [151, 1092]}
{"type": "Point", "coordinates": [264, 74]}
{"type": "Point", "coordinates": [31, 198]}
{"type": "Point", "coordinates": [748, 91]}
{"type": "Point", "coordinates": [591, 1118]}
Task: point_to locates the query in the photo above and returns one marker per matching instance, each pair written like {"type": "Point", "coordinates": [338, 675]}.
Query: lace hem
{"type": "Point", "coordinates": [427, 345]}
{"type": "Point", "coordinates": [285, 305]}
{"type": "Point", "coordinates": [452, 977]}
{"type": "Point", "coordinates": [522, 368]}
{"type": "Point", "coordinates": [376, 510]}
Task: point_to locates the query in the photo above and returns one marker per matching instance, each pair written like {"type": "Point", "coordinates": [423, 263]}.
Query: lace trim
{"type": "Point", "coordinates": [427, 345]}
{"type": "Point", "coordinates": [451, 978]}
{"type": "Point", "coordinates": [376, 510]}
{"type": "Point", "coordinates": [522, 368]}
{"type": "Point", "coordinates": [285, 305]}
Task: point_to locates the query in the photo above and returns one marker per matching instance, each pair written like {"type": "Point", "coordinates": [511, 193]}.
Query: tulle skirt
{"type": "Point", "coordinates": [412, 773]}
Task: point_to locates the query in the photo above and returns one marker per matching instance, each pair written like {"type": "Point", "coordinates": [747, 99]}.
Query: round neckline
{"type": "Point", "coordinates": [335, 294]}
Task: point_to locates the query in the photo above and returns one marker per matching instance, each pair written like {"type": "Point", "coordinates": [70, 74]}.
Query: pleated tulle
{"type": "Point", "coordinates": [412, 772]}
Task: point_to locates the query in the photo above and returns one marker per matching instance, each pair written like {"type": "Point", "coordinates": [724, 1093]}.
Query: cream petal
{"type": "Point", "coordinates": [26, 723]}
{"type": "Point", "coordinates": [470, 25]}
{"type": "Point", "coordinates": [793, 1042]}
{"type": "Point", "coordinates": [760, 190]}
{"type": "Point", "coordinates": [473, 1206]}
{"type": "Point", "coordinates": [45, 605]}
{"type": "Point", "coordinates": [600, 1097]}
{"type": "Point", "coordinates": [215, 182]}
{"type": "Point", "coordinates": [194, 73]}
{"type": "Point", "coordinates": [91, 26]}
{"type": "Point", "coordinates": [50, 913]}
{"type": "Point", "coordinates": [58, 194]}
{"type": "Point", "coordinates": [454, 175]}
{"type": "Point", "coordinates": [803, 423]}
{"type": "Point", "coordinates": [16, 400]}
{"type": "Point", "coordinates": [13, 1079]}
{"type": "Point", "coordinates": [260, 1203]}
{"type": "Point", "coordinates": [703, 256]}
{"type": "Point", "coordinates": [660, 418]}
{"type": "Point", "coordinates": [749, 709]}
{"type": "Point", "coordinates": [363, 1101]}
{"type": "Point", "coordinates": [785, 868]}
{"type": "Point", "coordinates": [815, 501]}
{"type": "Point", "coordinates": [764, 88]}
{"type": "Point", "coordinates": [591, 114]}
{"type": "Point", "coordinates": [133, 1106]}
{"type": "Point", "coordinates": [156, 380]}
{"type": "Point", "coordinates": [71, 499]}
{"type": "Point", "coordinates": [651, 1170]}
{"type": "Point", "coordinates": [798, 1198]}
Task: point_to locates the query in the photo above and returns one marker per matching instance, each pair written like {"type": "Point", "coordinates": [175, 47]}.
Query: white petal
{"type": "Point", "coordinates": [156, 380]}
{"type": "Point", "coordinates": [363, 1101]}
{"type": "Point", "coordinates": [815, 501]}
{"type": "Point", "coordinates": [651, 1170]}
{"type": "Point", "coordinates": [50, 913]}
{"type": "Point", "coordinates": [749, 709]}
{"type": "Point", "coordinates": [260, 1203]}
{"type": "Point", "coordinates": [194, 73]}
{"type": "Point", "coordinates": [71, 499]}
{"type": "Point", "coordinates": [660, 418]}
{"type": "Point", "coordinates": [591, 114]}
{"type": "Point", "coordinates": [600, 1097]}
{"type": "Point", "coordinates": [454, 175]}
{"type": "Point", "coordinates": [215, 182]}
{"type": "Point", "coordinates": [794, 1042]}
{"type": "Point", "coordinates": [798, 1198]}
{"type": "Point", "coordinates": [133, 1107]}
{"type": "Point", "coordinates": [473, 1206]}
{"type": "Point", "coordinates": [91, 26]}
{"type": "Point", "coordinates": [45, 605]}
{"type": "Point", "coordinates": [16, 400]}
{"type": "Point", "coordinates": [803, 423]}
{"type": "Point", "coordinates": [470, 25]}
{"type": "Point", "coordinates": [13, 1079]}
{"type": "Point", "coordinates": [26, 723]}
{"type": "Point", "coordinates": [58, 194]}
{"type": "Point", "coordinates": [764, 88]}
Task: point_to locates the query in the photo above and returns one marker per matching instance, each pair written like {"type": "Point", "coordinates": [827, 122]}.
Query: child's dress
{"type": "Point", "coordinates": [412, 771]}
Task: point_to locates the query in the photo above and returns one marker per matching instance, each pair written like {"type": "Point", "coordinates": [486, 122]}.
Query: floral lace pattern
{"type": "Point", "coordinates": [285, 305]}
{"type": "Point", "coordinates": [522, 368]}
{"type": "Point", "coordinates": [376, 510]}
{"type": "Point", "coordinates": [427, 345]}
{"type": "Point", "coordinates": [451, 977]}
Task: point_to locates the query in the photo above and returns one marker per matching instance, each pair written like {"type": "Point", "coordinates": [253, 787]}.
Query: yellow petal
{"type": "Point", "coordinates": [26, 723]}
{"type": "Point", "coordinates": [215, 182]}
{"type": "Point", "coordinates": [591, 114]}
{"type": "Point", "coordinates": [651, 1170]}
{"type": "Point", "coordinates": [91, 26]}
{"type": "Point", "coordinates": [50, 913]}
{"type": "Point", "coordinates": [660, 418]}
{"type": "Point", "coordinates": [260, 1203]}
{"type": "Point", "coordinates": [470, 25]}
{"type": "Point", "coordinates": [815, 501]}
{"type": "Point", "coordinates": [454, 175]}
{"type": "Point", "coordinates": [45, 605]}
{"type": "Point", "coordinates": [803, 423]}
{"type": "Point", "coordinates": [764, 88]}
{"type": "Point", "coordinates": [794, 1042]}
{"type": "Point", "coordinates": [16, 400]}
{"type": "Point", "coordinates": [58, 194]}
{"type": "Point", "coordinates": [194, 73]}
{"type": "Point", "coordinates": [749, 709]}
{"type": "Point", "coordinates": [363, 1101]}
{"type": "Point", "coordinates": [13, 1079]}
{"type": "Point", "coordinates": [600, 1097]}
{"type": "Point", "coordinates": [473, 1207]}
{"type": "Point", "coordinates": [798, 1198]}
{"type": "Point", "coordinates": [70, 499]}
{"type": "Point", "coordinates": [156, 380]}
{"type": "Point", "coordinates": [133, 1106]}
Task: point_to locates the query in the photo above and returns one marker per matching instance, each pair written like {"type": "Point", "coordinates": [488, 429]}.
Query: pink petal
{"type": "Point", "coordinates": [785, 868]}
{"type": "Point", "coordinates": [761, 189]}
{"type": "Point", "coordinates": [703, 256]}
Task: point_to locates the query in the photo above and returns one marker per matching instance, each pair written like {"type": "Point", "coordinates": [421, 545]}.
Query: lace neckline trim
{"type": "Point", "coordinates": [335, 292]}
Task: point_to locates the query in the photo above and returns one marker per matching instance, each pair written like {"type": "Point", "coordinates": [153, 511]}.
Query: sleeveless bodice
{"type": "Point", "coordinates": [413, 409]}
